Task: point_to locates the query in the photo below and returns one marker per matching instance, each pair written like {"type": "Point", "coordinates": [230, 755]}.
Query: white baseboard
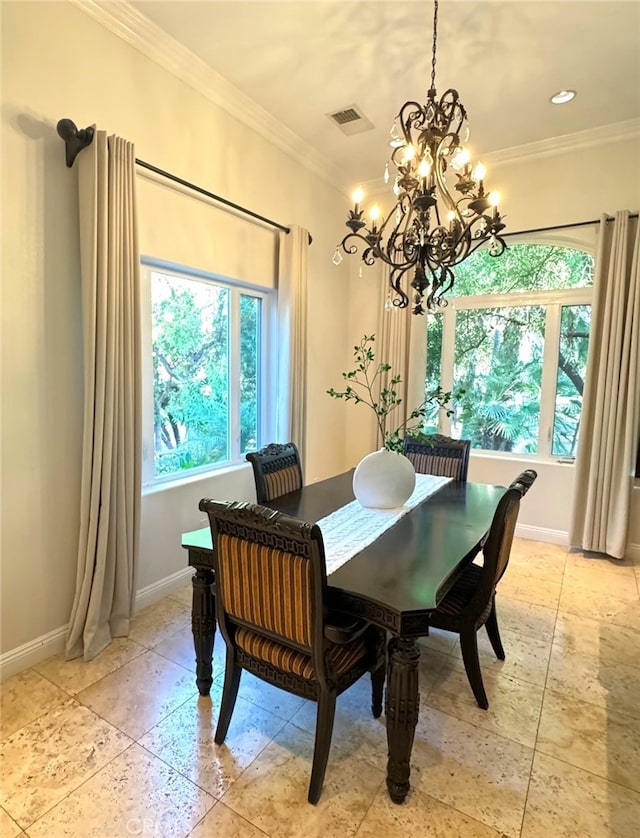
{"type": "Point", "coordinates": [163, 587]}
{"type": "Point", "coordinates": [545, 534]}
{"type": "Point", "coordinates": [22, 657]}
{"type": "Point", "coordinates": [29, 654]}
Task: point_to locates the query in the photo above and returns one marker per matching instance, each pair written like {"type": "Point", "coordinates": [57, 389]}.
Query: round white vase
{"type": "Point", "coordinates": [383, 480]}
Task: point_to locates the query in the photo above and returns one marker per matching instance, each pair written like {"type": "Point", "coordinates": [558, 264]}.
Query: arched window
{"type": "Point", "coordinates": [514, 339]}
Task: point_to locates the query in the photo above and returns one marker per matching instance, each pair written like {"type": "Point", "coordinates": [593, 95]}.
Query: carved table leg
{"type": "Point", "coordinates": [203, 625]}
{"type": "Point", "coordinates": [401, 709]}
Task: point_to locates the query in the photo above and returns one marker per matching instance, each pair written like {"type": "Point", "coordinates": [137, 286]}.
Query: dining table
{"type": "Point", "coordinates": [395, 582]}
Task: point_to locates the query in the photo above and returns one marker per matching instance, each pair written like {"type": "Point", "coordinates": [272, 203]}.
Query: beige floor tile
{"type": "Point", "coordinates": [141, 693]}
{"type": "Point", "coordinates": [272, 792]}
{"type": "Point", "coordinates": [24, 697]}
{"type": "Point", "coordinates": [225, 823]}
{"type": "Point", "coordinates": [529, 587]}
{"type": "Point", "coordinates": [543, 564]}
{"type": "Point", "coordinates": [8, 827]}
{"type": "Point", "coordinates": [438, 641]}
{"type": "Point", "coordinates": [525, 546]}
{"type": "Point", "coordinates": [566, 802]}
{"type": "Point", "coordinates": [76, 675]}
{"type": "Point", "coordinates": [514, 707]}
{"type": "Point", "coordinates": [159, 621]}
{"type": "Point", "coordinates": [136, 794]}
{"type": "Point", "coordinates": [355, 731]}
{"type": "Point", "coordinates": [602, 682]}
{"type": "Point", "coordinates": [179, 648]}
{"type": "Point", "coordinates": [617, 583]}
{"type": "Point", "coordinates": [599, 605]}
{"type": "Point", "coordinates": [276, 701]}
{"type": "Point", "coordinates": [184, 595]}
{"type": "Point", "coordinates": [44, 761]}
{"type": "Point", "coordinates": [526, 658]}
{"type": "Point", "coordinates": [524, 618]}
{"type": "Point", "coordinates": [184, 740]}
{"type": "Point", "coordinates": [588, 561]}
{"type": "Point", "coordinates": [420, 816]}
{"type": "Point", "coordinates": [598, 739]}
{"type": "Point", "coordinates": [583, 636]}
{"type": "Point", "coordinates": [481, 774]}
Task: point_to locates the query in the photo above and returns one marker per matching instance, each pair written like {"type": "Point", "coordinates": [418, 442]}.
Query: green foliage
{"type": "Point", "coordinates": [191, 373]}
{"type": "Point", "coordinates": [367, 379]}
{"type": "Point", "coordinates": [499, 352]}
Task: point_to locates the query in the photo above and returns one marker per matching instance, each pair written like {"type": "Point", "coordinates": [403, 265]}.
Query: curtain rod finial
{"type": "Point", "coordinates": [74, 139]}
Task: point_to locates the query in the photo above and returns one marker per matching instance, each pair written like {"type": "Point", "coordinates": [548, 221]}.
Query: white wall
{"type": "Point", "coordinates": [58, 62]}
{"type": "Point", "coordinates": [564, 188]}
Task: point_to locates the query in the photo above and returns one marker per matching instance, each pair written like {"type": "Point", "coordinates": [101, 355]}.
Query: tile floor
{"type": "Point", "coordinates": [124, 746]}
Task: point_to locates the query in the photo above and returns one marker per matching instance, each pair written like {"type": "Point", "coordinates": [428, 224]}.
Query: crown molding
{"type": "Point", "coordinates": [127, 23]}
{"type": "Point", "coordinates": [613, 133]}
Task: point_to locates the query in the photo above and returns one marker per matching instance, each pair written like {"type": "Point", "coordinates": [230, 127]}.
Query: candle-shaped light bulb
{"type": "Point", "coordinates": [451, 215]}
{"type": "Point", "coordinates": [424, 168]}
{"type": "Point", "coordinates": [409, 154]}
{"type": "Point", "coordinates": [494, 198]}
{"type": "Point", "coordinates": [357, 196]}
{"type": "Point", "coordinates": [479, 172]}
{"type": "Point", "coordinates": [374, 214]}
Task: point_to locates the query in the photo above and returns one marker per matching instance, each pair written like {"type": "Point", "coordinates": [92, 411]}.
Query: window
{"type": "Point", "coordinates": [515, 341]}
{"type": "Point", "coordinates": [205, 372]}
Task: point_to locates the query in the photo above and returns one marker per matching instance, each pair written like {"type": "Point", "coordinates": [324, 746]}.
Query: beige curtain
{"type": "Point", "coordinates": [609, 426]}
{"type": "Point", "coordinates": [393, 344]}
{"type": "Point", "coordinates": [111, 476]}
{"type": "Point", "coordinates": [291, 386]}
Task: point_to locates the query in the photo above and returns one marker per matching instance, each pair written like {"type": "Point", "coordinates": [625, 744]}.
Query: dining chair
{"type": "Point", "coordinates": [439, 455]}
{"type": "Point", "coordinates": [271, 601]}
{"type": "Point", "coordinates": [471, 601]}
{"type": "Point", "coordinates": [276, 470]}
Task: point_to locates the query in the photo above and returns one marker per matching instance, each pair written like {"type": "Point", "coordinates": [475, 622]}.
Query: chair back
{"type": "Point", "coordinates": [439, 455]}
{"type": "Point", "coordinates": [276, 470]}
{"type": "Point", "coordinates": [525, 480]}
{"type": "Point", "coordinates": [271, 582]}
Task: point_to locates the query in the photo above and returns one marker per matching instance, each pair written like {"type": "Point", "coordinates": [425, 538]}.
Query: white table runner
{"type": "Point", "coordinates": [351, 528]}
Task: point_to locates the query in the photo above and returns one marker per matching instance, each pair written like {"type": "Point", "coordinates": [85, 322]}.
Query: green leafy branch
{"type": "Point", "coordinates": [364, 381]}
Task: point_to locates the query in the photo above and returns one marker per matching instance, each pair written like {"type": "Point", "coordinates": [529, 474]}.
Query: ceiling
{"type": "Point", "coordinates": [300, 60]}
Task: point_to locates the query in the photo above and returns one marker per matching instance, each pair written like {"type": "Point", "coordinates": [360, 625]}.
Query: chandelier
{"type": "Point", "coordinates": [436, 222]}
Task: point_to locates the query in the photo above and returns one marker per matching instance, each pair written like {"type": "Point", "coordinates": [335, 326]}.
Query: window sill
{"type": "Point", "coordinates": [525, 459]}
{"type": "Point", "coordinates": [212, 474]}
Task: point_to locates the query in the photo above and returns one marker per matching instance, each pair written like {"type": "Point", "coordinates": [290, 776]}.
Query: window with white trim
{"type": "Point", "coordinates": [204, 373]}
{"type": "Point", "coordinates": [513, 346]}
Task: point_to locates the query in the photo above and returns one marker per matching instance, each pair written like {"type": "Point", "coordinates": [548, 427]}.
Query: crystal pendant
{"type": "Point", "coordinates": [388, 303]}
{"type": "Point", "coordinates": [360, 271]}
{"type": "Point", "coordinates": [398, 216]}
{"type": "Point", "coordinates": [337, 257]}
{"type": "Point", "coordinates": [386, 173]}
{"type": "Point", "coordinates": [494, 247]}
{"type": "Point", "coordinates": [396, 187]}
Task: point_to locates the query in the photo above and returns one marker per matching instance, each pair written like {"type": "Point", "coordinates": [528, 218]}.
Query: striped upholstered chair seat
{"type": "Point", "coordinates": [276, 470]}
{"type": "Point", "coordinates": [471, 601]}
{"type": "Point", "coordinates": [339, 657]}
{"type": "Point", "coordinates": [271, 590]}
{"type": "Point", "coordinates": [439, 455]}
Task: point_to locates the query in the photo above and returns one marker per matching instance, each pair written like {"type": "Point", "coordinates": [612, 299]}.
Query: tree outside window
{"type": "Point", "coordinates": [515, 340]}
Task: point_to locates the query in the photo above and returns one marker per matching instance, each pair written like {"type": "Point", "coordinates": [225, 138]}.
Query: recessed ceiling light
{"type": "Point", "coordinates": [562, 96]}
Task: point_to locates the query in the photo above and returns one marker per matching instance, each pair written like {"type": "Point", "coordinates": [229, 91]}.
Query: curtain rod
{"type": "Point", "coordinates": [75, 139]}
{"type": "Point", "coordinates": [561, 226]}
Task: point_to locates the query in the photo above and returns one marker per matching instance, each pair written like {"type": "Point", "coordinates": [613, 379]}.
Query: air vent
{"type": "Point", "coordinates": [350, 120]}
